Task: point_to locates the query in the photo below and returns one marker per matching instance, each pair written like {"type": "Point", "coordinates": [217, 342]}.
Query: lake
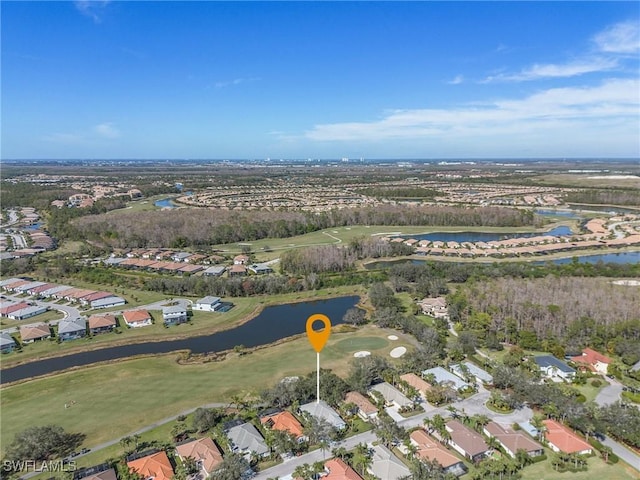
{"type": "Point", "coordinates": [558, 213]}
{"type": "Point", "coordinates": [272, 324]}
{"type": "Point", "coordinates": [165, 203]}
{"type": "Point", "coordinates": [485, 236]}
{"type": "Point", "coordinates": [623, 257]}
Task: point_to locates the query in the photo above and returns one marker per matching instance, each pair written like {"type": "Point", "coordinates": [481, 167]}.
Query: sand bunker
{"type": "Point", "coordinates": [630, 283]}
{"type": "Point", "coordinates": [361, 353]}
{"type": "Point", "coordinates": [398, 352]}
{"type": "Point", "coordinates": [392, 337]}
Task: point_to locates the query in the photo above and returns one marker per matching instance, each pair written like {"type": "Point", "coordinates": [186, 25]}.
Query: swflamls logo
{"type": "Point", "coordinates": [34, 466]}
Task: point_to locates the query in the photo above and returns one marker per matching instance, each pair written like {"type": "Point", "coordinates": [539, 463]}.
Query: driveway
{"type": "Point", "coordinates": [609, 394]}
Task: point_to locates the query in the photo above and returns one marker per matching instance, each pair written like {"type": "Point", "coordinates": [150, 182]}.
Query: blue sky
{"type": "Point", "coordinates": [320, 79]}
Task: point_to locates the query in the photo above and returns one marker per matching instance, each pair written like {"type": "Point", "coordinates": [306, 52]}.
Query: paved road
{"type": "Point", "coordinates": [624, 453]}
{"type": "Point", "coordinates": [609, 394]}
{"type": "Point", "coordinates": [469, 406]}
{"type": "Point", "coordinates": [68, 311]}
{"type": "Point", "coordinates": [139, 432]}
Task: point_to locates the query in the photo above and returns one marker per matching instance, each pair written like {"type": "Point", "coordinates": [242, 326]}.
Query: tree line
{"type": "Point", "coordinates": [571, 311]}
{"type": "Point", "coordinates": [203, 227]}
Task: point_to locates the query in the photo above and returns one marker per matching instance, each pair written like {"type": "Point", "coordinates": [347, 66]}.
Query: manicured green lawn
{"type": "Point", "coordinates": [589, 391]}
{"type": "Point", "coordinates": [598, 470]}
{"type": "Point", "coordinates": [115, 399]}
{"type": "Point", "coordinates": [345, 234]}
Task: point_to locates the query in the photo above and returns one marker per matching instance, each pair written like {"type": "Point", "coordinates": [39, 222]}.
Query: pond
{"type": "Point", "coordinates": [623, 257]}
{"type": "Point", "coordinates": [165, 203]}
{"type": "Point", "coordinates": [485, 236]}
{"type": "Point", "coordinates": [272, 324]}
{"type": "Point", "coordinates": [558, 213]}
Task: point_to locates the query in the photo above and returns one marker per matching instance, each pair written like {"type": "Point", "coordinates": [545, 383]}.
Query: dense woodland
{"type": "Point", "coordinates": [333, 258]}
{"type": "Point", "coordinates": [572, 311]}
{"type": "Point", "coordinates": [629, 197]}
{"type": "Point", "coordinates": [202, 227]}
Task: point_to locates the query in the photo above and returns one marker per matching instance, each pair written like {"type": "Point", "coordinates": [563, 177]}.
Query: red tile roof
{"type": "Point", "coordinates": [338, 470]}
{"type": "Point", "coordinates": [590, 357]}
{"type": "Point", "coordinates": [202, 450]}
{"type": "Point", "coordinates": [283, 421]}
{"type": "Point", "coordinates": [134, 316]}
{"type": "Point", "coordinates": [361, 402]}
{"type": "Point", "coordinates": [430, 449]}
{"type": "Point", "coordinates": [156, 466]}
{"type": "Point", "coordinates": [564, 438]}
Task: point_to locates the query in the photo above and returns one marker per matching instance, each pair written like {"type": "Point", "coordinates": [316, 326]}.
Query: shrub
{"type": "Point", "coordinates": [597, 383]}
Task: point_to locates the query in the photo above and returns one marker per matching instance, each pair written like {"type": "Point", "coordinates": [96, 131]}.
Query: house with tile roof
{"type": "Point", "coordinates": [429, 449]}
{"type": "Point", "coordinates": [72, 328]}
{"type": "Point", "coordinates": [467, 442]}
{"type": "Point", "coordinates": [337, 469]}
{"type": "Point", "coordinates": [364, 408]}
{"type": "Point", "coordinates": [594, 361]}
{"type": "Point", "coordinates": [240, 260]}
{"type": "Point", "coordinates": [137, 318]}
{"type": "Point", "coordinates": [34, 332]}
{"type": "Point", "coordinates": [101, 323]}
{"type": "Point", "coordinates": [384, 464]}
{"type": "Point", "coordinates": [322, 410]}
{"type": "Point", "coordinates": [204, 451]}
{"type": "Point", "coordinates": [512, 441]}
{"type": "Point", "coordinates": [563, 439]}
{"type": "Point", "coordinates": [284, 421]}
{"type": "Point", "coordinates": [392, 396]}
{"type": "Point", "coordinates": [416, 382]}
{"type": "Point", "coordinates": [155, 466]}
{"type": "Point", "coordinates": [245, 439]}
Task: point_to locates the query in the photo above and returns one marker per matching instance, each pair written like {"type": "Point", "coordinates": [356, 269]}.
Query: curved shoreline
{"type": "Point", "coordinates": [201, 333]}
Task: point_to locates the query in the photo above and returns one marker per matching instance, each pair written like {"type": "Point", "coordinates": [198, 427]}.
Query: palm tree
{"type": "Point", "coordinates": [453, 411]}
{"type": "Point", "coordinates": [324, 446]}
{"type": "Point", "coordinates": [605, 451]}
{"type": "Point", "coordinates": [411, 449]}
{"type": "Point", "coordinates": [522, 457]}
{"type": "Point", "coordinates": [136, 440]}
{"type": "Point", "coordinates": [304, 471]}
{"type": "Point", "coordinates": [361, 458]}
{"type": "Point", "coordinates": [340, 452]}
{"type": "Point", "coordinates": [125, 442]}
{"type": "Point", "coordinates": [428, 424]}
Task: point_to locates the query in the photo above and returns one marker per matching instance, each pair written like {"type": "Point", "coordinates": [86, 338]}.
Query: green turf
{"type": "Point", "coordinates": [597, 470]}
{"type": "Point", "coordinates": [115, 399]}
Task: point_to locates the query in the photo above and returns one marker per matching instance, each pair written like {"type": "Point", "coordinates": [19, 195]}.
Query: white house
{"type": "Point", "coordinates": [554, 369]}
{"type": "Point", "coordinates": [207, 304]}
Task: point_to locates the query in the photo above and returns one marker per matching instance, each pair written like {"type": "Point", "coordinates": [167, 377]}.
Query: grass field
{"type": "Point", "coordinates": [113, 400]}
{"type": "Point", "coordinates": [597, 470]}
{"type": "Point", "coordinates": [202, 323]}
{"type": "Point", "coordinates": [345, 234]}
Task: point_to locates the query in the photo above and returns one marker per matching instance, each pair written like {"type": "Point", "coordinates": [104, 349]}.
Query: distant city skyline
{"type": "Point", "coordinates": [215, 80]}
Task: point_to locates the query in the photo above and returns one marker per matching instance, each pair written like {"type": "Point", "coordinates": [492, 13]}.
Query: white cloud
{"type": "Point", "coordinates": [621, 38]}
{"type": "Point", "coordinates": [92, 8]}
{"type": "Point", "coordinates": [611, 45]}
{"type": "Point", "coordinates": [547, 111]}
{"type": "Point", "coordinates": [550, 70]}
{"type": "Point", "coordinates": [235, 81]}
{"type": "Point", "coordinates": [457, 80]}
{"type": "Point", "coordinates": [107, 130]}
